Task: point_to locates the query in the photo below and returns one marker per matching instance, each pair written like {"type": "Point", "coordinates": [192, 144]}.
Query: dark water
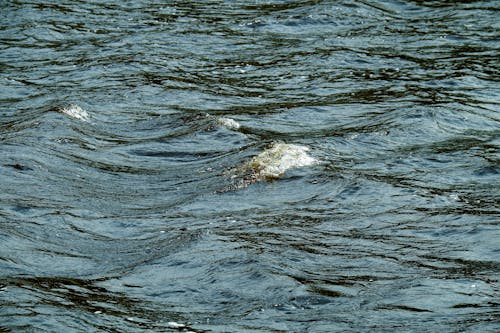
{"type": "Point", "coordinates": [129, 220]}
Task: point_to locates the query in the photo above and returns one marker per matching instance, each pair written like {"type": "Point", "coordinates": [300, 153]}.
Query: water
{"type": "Point", "coordinates": [125, 127]}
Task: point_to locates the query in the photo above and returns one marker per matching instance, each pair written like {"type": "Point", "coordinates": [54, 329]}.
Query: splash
{"type": "Point", "coordinates": [75, 111]}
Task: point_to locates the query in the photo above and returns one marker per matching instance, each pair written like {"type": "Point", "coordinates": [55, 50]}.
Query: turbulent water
{"type": "Point", "coordinates": [125, 127]}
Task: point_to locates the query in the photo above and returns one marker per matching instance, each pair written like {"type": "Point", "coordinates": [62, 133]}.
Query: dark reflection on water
{"type": "Point", "coordinates": [120, 207]}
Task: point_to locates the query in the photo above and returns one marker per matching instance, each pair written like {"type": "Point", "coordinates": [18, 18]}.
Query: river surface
{"type": "Point", "coordinates": [131, 198]}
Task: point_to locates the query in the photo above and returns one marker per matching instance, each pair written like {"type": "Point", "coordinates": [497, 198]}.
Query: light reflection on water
{"type": "Point", "coordinates": [122, 214]}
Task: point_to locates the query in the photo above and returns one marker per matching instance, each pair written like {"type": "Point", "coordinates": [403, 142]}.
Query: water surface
{"type": "Point", "coordinates": [120, 208]}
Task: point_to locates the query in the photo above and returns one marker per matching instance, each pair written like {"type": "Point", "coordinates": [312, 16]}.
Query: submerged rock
{"type": "Point", "coordinates": [280, 157]}
{"type": "Point", "coordinates": [20, 167]}
{"type": "Point", "coordinates": [271, 164]}
{"type": "Point", "coordinates": [75, 111]}
{"type": "Point", "coordinates": [228, 123]}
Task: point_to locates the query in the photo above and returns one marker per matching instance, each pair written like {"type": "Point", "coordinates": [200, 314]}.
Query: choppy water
{"type": "Point", "coordinates": [123, 207]}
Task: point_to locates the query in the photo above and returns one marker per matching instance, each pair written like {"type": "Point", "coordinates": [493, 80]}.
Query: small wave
{"type": "Point", "coordinates": [76, 112]}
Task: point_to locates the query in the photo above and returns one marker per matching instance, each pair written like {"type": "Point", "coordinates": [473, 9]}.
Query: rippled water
{"type": "Point", "coordinates": [123, 125]}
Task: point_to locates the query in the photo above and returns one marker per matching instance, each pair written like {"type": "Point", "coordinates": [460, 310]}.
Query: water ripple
{"type": "Point", "coordinates": [123, 126]}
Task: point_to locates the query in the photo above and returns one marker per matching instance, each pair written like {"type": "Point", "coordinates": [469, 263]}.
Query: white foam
{"type": "Point", "coordinates": [229, 123]}
{"type": "Point", "coordinates": [173, 324]}
{"type": "Point", "coordinates": [75, 111]}
{"type": "Point", "coordinates": [280, 157]}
